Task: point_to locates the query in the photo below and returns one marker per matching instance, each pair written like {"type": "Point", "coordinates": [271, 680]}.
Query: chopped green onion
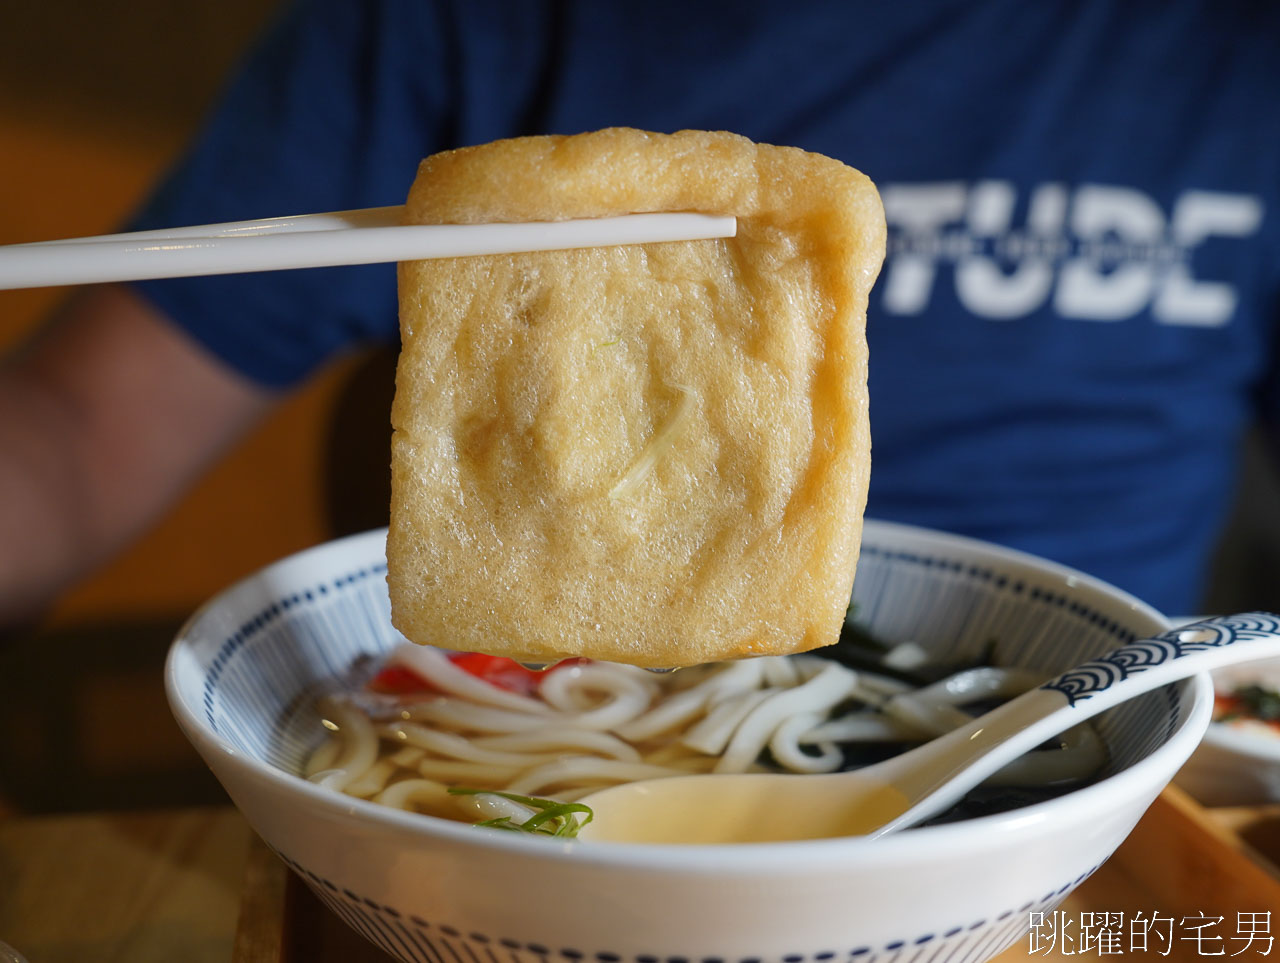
{"type": "Point", "coordinates": [552, 818]}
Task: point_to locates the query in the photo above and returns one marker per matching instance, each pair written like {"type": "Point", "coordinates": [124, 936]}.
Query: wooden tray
{"type": "Point", "coordinates": [1189, 866]}
{"type": "Point", "coordinates": [1182, 868]}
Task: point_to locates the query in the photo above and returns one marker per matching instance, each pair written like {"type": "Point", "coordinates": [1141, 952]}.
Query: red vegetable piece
{"type": "Point", "coordinates": [498, 670]}
{"type": "Point", "coordinates": [398, 680]}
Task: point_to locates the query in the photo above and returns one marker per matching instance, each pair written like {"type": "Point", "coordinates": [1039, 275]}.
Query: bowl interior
{"type": "Point", "coordinates": [248, 666]}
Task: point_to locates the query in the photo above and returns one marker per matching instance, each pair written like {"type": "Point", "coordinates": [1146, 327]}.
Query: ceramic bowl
{"type": "Point", "coordinates": [240, 678]}
{"type": "Point", "coordinates": [1236, 765]}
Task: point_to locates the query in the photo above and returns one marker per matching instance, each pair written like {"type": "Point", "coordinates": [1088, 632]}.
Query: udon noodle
{"type": "Point", "coordinates": [584, 725]}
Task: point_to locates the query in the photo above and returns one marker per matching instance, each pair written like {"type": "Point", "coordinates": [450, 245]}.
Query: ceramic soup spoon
{"type": "Point", "coordinates": [911, 787]}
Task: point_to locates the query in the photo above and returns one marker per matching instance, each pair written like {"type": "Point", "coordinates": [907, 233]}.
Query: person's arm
{"type": "Point", "coordinates": [106, 416]}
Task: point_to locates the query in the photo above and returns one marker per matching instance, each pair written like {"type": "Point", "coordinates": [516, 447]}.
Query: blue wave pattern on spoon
{"type": "Point", "coordinates": [904, 790]}
{"type": "Point", "coordinates": [1102, 673]}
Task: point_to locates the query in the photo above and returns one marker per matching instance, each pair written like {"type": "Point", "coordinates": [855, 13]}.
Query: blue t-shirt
{"type": "Point", "coordinates": [1075, 319]}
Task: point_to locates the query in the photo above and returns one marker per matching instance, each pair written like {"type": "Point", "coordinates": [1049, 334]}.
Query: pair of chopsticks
{"type": "Point", "coordinates": [366, 236]}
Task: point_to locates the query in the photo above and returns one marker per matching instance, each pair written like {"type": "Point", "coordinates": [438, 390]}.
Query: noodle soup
{"type": "Point", "coordinates": [483, 739]}
{"type": "Point", "coordinates": [243, 677]}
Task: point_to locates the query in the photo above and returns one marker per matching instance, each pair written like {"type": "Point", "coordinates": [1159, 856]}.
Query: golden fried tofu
{"type": "Point", "coordinates": [655, 454]}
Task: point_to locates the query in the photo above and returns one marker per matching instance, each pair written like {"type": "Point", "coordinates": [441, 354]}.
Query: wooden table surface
{"type": "Point", "coordinates": [138, 887]}
{"type": "Point", "coordinates": [170, 886]}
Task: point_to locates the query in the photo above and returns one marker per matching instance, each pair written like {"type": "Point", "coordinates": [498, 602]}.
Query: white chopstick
{"type": "Point", "coordinates": [323, 240]}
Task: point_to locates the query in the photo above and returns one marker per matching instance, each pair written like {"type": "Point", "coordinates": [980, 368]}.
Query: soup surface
{"type": "Point", "coordinates": [483, 739]}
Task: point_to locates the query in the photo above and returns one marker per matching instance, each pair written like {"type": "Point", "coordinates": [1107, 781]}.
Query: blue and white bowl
{"type": "Point", "coordinates": [240, 677]}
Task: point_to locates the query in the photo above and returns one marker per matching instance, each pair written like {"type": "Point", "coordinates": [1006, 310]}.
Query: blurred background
{"type": "Point", "coordinates": [95, 101]}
